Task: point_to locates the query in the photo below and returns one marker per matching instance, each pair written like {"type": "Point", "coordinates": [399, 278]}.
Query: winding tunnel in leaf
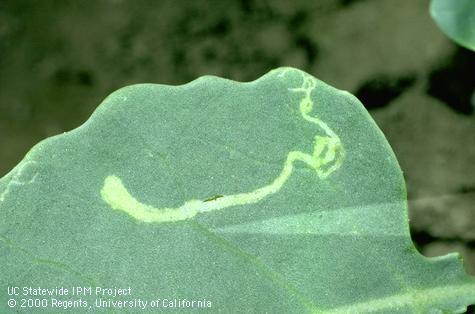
{"type": "Point", "coordinates": [277, 195]}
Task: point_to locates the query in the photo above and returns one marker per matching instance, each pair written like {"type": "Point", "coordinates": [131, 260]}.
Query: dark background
{"type": "Point", "coordinates": [59, 59]}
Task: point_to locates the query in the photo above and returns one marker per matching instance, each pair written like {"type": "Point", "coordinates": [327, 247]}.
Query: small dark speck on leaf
{"type": "Point", "coordinates": [213, 198]}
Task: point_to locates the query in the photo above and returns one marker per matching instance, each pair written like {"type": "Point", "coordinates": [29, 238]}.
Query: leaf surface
{"type": "Point", "coordinates": [279, 195]}
{"type": "Point", "coordinates": [456, 18]}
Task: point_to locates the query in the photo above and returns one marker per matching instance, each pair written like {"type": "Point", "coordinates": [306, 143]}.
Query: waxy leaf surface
{"type": "Point", "coordinates": [279, 195]}
{"type": "Point", "coordinates": [456, 18]}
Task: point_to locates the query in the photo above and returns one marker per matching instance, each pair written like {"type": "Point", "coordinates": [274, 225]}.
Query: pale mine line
{"type": "Point", "coordinates": [118, 197]}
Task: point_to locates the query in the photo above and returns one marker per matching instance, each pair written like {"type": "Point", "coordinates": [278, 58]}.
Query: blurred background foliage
{"type": "Point", "coordinates": [60, 58]}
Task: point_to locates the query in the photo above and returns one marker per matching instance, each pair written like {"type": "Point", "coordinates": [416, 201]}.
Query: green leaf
{"type": "Point", "coordinates": [279, 195]}
{"type": "Point", "coordinates": [456, 18]}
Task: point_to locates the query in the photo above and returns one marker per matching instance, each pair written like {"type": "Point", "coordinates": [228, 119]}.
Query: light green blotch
{"type": "Point", "coordinates": [118, 197]}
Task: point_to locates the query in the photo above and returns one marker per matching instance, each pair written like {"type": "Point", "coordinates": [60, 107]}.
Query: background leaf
{"type": "Point", "coordinates": [321, 242]}
{"type": "Point", "coordinates": [456, 18]}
